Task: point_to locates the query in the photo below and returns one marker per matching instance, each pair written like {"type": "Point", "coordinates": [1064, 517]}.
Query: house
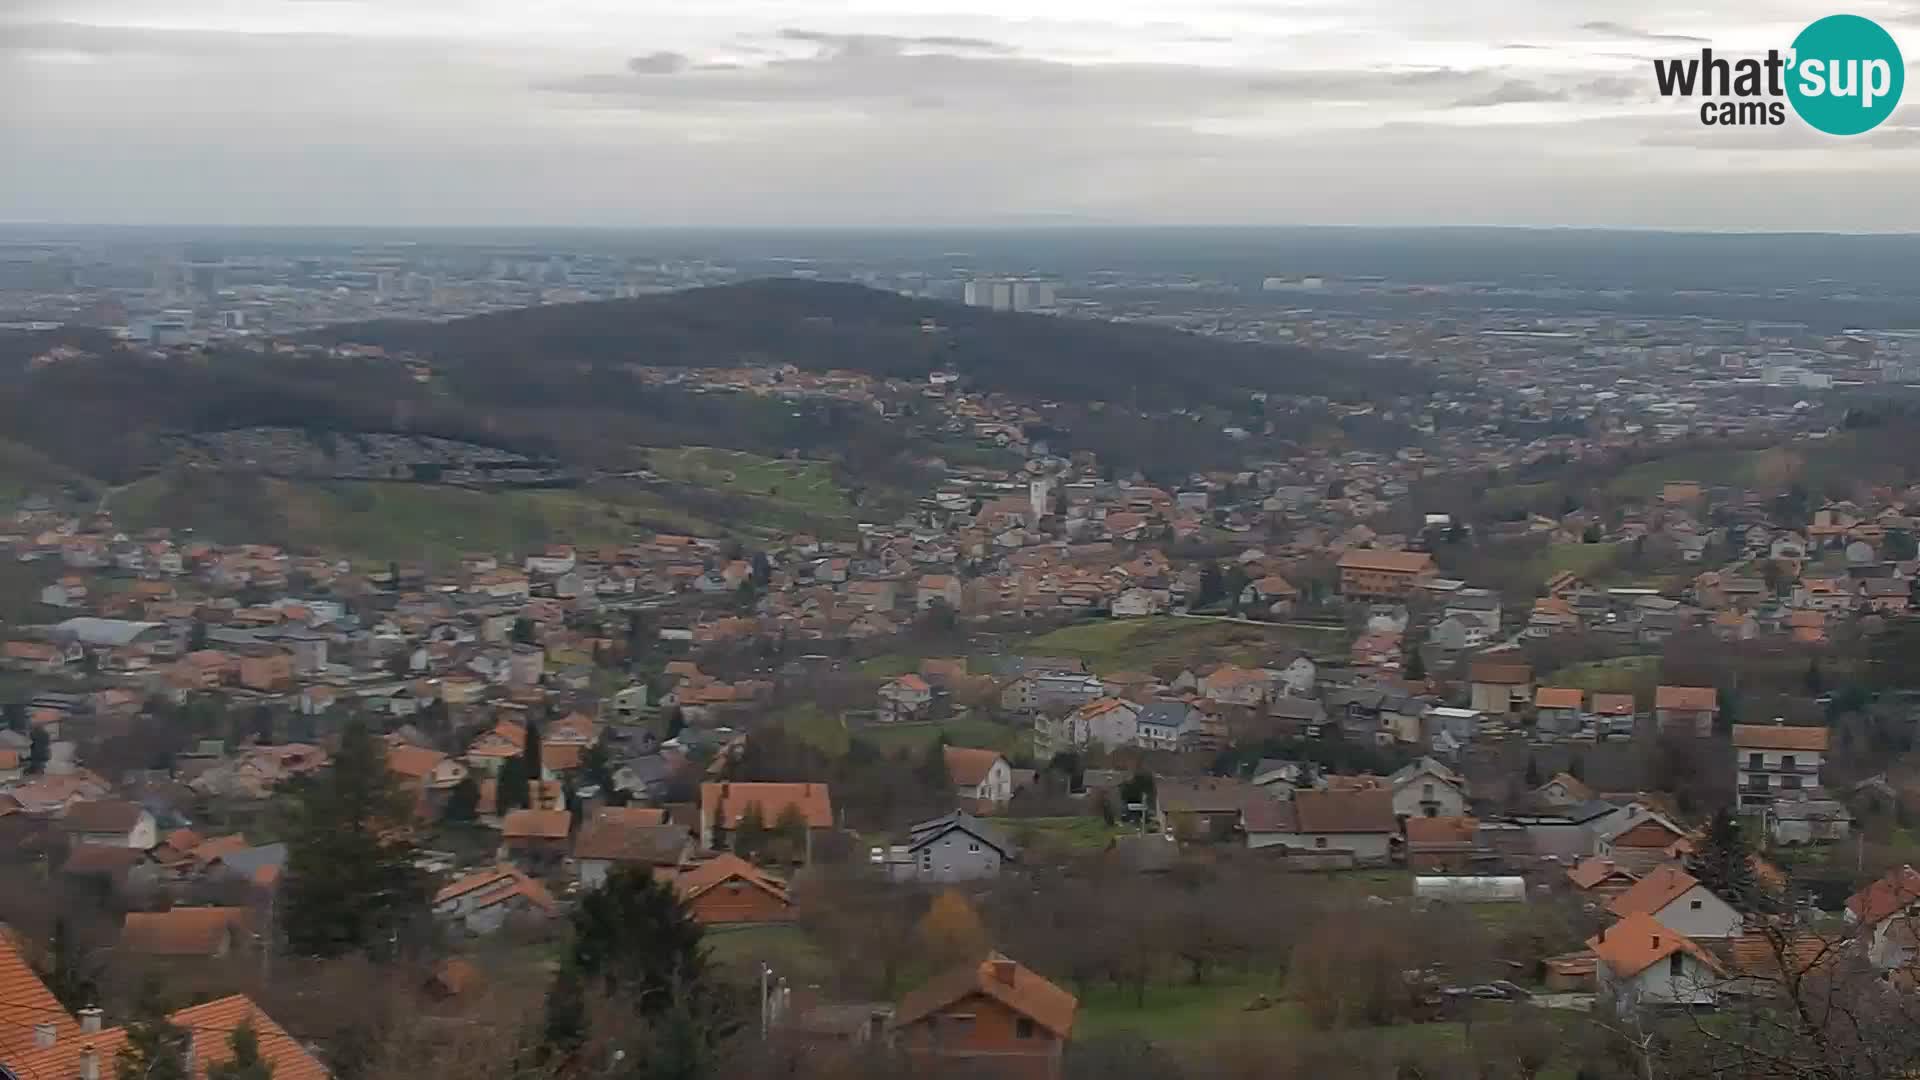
{"type": "Point", "coordinates": [1642, 963]}
{"type": "Point", "coordinates": [952, 847]}
{"type": "Point", "coordinates": [29, 1013]}
{"type": "Point", "coordinates": [1109, 721]}
{"type": "Point", "coordinates": [626, 836]}
{"type": "Point", "coordinates": [111, 823]}
{"type": "Point", "coordinates": [723, 804]}
{"type": "Point", "coordinates": [1500, 686]}
{"type": "Point", "coordinates": [727, 890]}
{"type": "Point", "coordinates": [1426, 788]}
{"type": "Point", "coordinates": [1614, 713]}
{"type": "Point", "coordinates": [88, 1051]}
{"type": "Point", "coordinates": [1601, 877]}
{"type": "Point", "coordinates": [937, 589]}
{"type": "Point", "coordinates": [1273, 595]}
{"type": "Point", "coordinates": [1635, 837]}
{"type": "Point", "coordinates": [905, 698]}
{"type": "Point", "coordinates": [482, 902]}
{"type": "Point", "coordinates": [1884, 909]}
{"type": "Point", "coordinates": [536, 838]}
{"type": "Point", "coordinates": [1443, 845]}
{"type": "Point", "coordinates": [994, 1014]}
{"type": "Point", "coordinates": [1230, 685]}
{"type": "Point", "coordinates": [1561, 789]}
{"type": "Point", "coordinates": [1371, 573]}
{"type": "Point", "coordinates": [1558, 710]}
{"type": "Point", "coordinates": [1204, 808]}
{"type": "Point", "coordinates": [1686, 710]}
{"type": "Point", "coordinates": [1161, 725]}
{"type": "Point", "coordinates": [210, 933]}
{"type": "Point", "coordinates": [1676, 899]}
{"type": "Point", "coordinates": [1776, 761]}
{"type": "Point", "coordinates": [1360, 822]}
{"type": "Point", "coordinates": [1804, 820]}
{"type": "Point", "coordinates": [981, 778]}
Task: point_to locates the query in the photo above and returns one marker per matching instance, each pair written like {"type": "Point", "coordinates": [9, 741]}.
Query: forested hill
{"type": "Point", "coordinates": [819, 325]}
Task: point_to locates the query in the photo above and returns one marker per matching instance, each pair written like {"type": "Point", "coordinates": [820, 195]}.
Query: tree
{"type": "Point", "coordinates": [1213, 586]}
{"type": "Point", "coordinates": [73, 979]}
{"type": "Point", "coordinates": [39, 748]}
{"type": "Point", "coordinates": [932, 772]}
{"type": "Point", "coordinates": [789, 839]}
{"type": "Point", "coordinates": [762, 570]}
{"type": "Point", "coordinates": [522, 631]}
{"type": "Point", "coordinates": [13, 716]}
{"type": "Point", "coordinates": [633, 937]}
{"type": "Point", "coordinates": [1815, 680]}
{"type": "Point", "coordinates": [530, 751]}
{"type": "Point", "coordinates": [1533, 773]}
{"type": "Point", "coordinates": [1723, 862]}
{"type": "Point", "coordinates": [463, 802]}
{"type": "Point", "coordinates": [197, 636]}
{"type": "Point", "coordinates": [351, 881]}
{"type": "Point", "coordinates": [951, 931]}
{"type": "Point", "coordinates": [1416, 665]}
{"type": "Point", "coordinates": [511, 790]}
{"type": "Point", "coordinates": [749, 840]}
{"type": "Point", "coordinates": [155, 1047]}
{"type": "Point", "coordinates": [246, 1063]}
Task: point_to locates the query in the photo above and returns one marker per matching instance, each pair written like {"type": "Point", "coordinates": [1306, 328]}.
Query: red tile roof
{"type": "Point", "coordinates": [1894, 892]}
{"type": "Point", "coordinates": [723, 803]}
{"type": "Point", "coordinates": [1638, 942]}
{"type": "Point", "coordinates": [1689, 698]}
{"type": "Point", "coordinates": [25, 1002]}
{"type": "Point", "coordinates": [1651, 894]}
{"type": "Point", "coordinates": [1012, 984]}
{"type": "Point", "coordinates": [1779, 737]}
{"type": "Point", "coordinates": [182, 931]}
{"type": "Point", "coordinates": [968, 766]}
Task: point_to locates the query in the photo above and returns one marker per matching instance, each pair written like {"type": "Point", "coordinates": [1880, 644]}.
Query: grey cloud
{"type": "Point", "coordinates": [1511, 92]}
{"type": "Point", "coordinates": [658, 63]}
{"type": "Point", "coordinates": [891, 44]}
{"type": "Point", "coordinates": [1622, 30]}
{"type": "Point", "coordinates": [1613, 88]}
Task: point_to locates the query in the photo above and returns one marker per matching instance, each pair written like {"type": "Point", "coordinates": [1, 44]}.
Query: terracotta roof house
{"type": "Point", "coordinates": [727, 890]}
{"type": "Point", "coordinates": [210, 932]}
{"type": "Point", "coordinates": [536, 839]}
{"type": "Point", "coordinates": [1643, 963]}
{"type": "Point", "coordinates": [1359, 821]}
{"type": "Point", "coordinates": [1686, 710]}
{"type": "Point", "coordinates": [982, 778]}
{"type": "Point", "coordinates": [86, 1055]}
{"type": "Point", "coordinates": [1603, 877]}
{"type": "Point", "coordinates": [614, 838]}
{"type": "Point", "coordinates": [26, 1004]}
{"type": "Point", "coordinates": [996, 1013]}
{"type": "Point", "coordinates": [722, 805]}
{"type": "Point", "coordinates": [482, 902]}
{"type": "Point", "coordinates": [1443, 845]}
{"type": "Point", "coordinates": [1377, 573]}
{"type": "Point", "coordinates": [1676, 899]}
{"type": "Point", "coordinates": [1895, 891]}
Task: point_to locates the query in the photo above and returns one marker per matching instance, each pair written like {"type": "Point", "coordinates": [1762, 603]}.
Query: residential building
{"type": "Point", "coordinates": [1559, 710]}
{"type": "Point", "coordinates": [1641, 963]}
{"type": "Point", "coordinates": [111, 823]}
{"type": "Point", "coordinates": [210, 933]}
{"type": "Point", "coordinates": [482, 902]}
{"type": "Point", "coordinates": [1500, 686]}
{"type": "Point", "coordinates": [996, 1014]}
{"type": "Point", "coordinates": [1686, 710]}
{"type": "Point", "coordinates": [1676, 899]}
{"type": "Point", "coordinates": [1426, 789]}
{"type": "Point", "coordinates": [905, 698]}
{"type": "Point", "coordinates": [727, 890]}
{"type": "Point", "coordinates": [1358, 822]}
{"type": "Point", "coordinates": [1792, 821]}
{"type": "Point", "coordinates": [1775, 761]}
{"type": "Point", "coordinates": [616, 837]}
{"type": "Point", "coordinates": [982, 779]}
{"type": "Point", "coordinates": [952, 847]}
{"type": "Point", "coordinates": [723, 804]}
{"type": "Point", "coordinates": [1374, 573]}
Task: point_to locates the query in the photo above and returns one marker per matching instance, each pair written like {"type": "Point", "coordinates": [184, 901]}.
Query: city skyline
{"type": "Point", "coordinates": [901, 112]}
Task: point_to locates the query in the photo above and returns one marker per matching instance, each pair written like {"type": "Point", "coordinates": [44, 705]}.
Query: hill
{"type": "Point", "coordinates": [823, 325]}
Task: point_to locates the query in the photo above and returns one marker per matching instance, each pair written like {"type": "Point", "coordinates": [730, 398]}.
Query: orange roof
{"type": "Point", "coordinates": [1894, 892]}
{"type": "Point", "coordinates": [1500, 674]}
{"type": "Point", "coordinates": [969, 767]}
{"type": "Point", "coordinates": [211, 1025]}
{"type": "Point", "coordinates": [723, 803]}
{"type": "Point", "coordinates": [1779, 737]}
{"type": "Point", "coordinates": [537, 824]}
{"type": "Point", "coordinates": [1651, 894]}
{"type": "Point", "coordinates": [1594, 870]}
{"type": "Point", "coordinates": [1554, 697]}
{"type": "Point", "coordinates": [562, 757]}
{"type": "Point", "coordinates": [1691, 698]}
{"type": "Point", "coordinates": [413, 762]}
{"type": "Point", "coordinates": [1441, 830]}
{"type": "Point", "coordinates": [631, 816]}
{"type": "Point", "coordinates": [691, 881]}
{"type": "Point", "coordinates": [1398, 562]}
{"type": "Point", "coordinates": [24, 1002]}
{"type": "Point", "coordinates": [181, 931]}
{"type": "Point", "coordinates": [911, 682]}
{"type": "Point", "coordinates": [1638, 942]}
{"type": "Point", "coordinates": [1755, 953]}
{"type": "Point", "coordinates": [1613, 704]}
{"type": "Point", "coordinates": [496, 884]}
{"type": "Point", "coordinates": [1012, 984]}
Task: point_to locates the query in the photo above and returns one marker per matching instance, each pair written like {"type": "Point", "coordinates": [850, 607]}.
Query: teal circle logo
{"type": "Point", "coordinates": [1846, 75]}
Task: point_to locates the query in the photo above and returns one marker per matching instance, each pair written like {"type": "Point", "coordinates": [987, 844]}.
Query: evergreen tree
{"type": "Point", "coordinates": [632, 936]}
{"type": "Point", "coordinates": [790, 834]}
{"type": "Point", "coordinates": [13, 716]}
{"type": "Point", "coordinates": [351, 881]}
{"type": "Point", "coordinates": [155, 1047]}
{"type": "Point", "coordinates": [511, 791]}
{"type": "Point", "coordinates": [676, 722]}
{"type": "Point", "coordinates": [932, 772]}
{"type": "Point", "coordinates": [522, 631]}
{"type": "Point", "coordinates": [1416, 665]}
{"type": "Point", "coordinates": [530, 750]}
{"type": "Point", "coordinates": [750, 833]}
{"type": "Point", "coordinates": [1724, 863]}
{"type": "Point", "coordinates": [73, 979]}
{"type": "Point", "coordinates": [762, 570]}
{"type": "Point", "coordinates": [1533, 773]}
{"type": "Point", "coordinates": [463, 802]}
{"type": "Point", "coordinates": [1577, 767]}
{"type": "Point", "coordinates": [197, 636]}
{"type": "Point", "coordinates": [1213, 586]}
{"type": "Point", "coordinates": [246, 1063]}
{"type": "Point", "coordinates": [39, 749]}
{"type": "Point", "coordinates": [1816, 680]}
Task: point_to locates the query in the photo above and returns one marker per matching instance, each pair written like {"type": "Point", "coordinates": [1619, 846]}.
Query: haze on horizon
{"type": "Point", "coordinates": [914, 112]}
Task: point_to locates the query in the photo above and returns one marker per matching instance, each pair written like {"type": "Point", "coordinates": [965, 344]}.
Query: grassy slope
{"type": "Point", "coordinates": [383, 521]}
{"type": "Point", "coordinates": [1137, 644]}
{"type": "Point", "coordinates": [26, 471]}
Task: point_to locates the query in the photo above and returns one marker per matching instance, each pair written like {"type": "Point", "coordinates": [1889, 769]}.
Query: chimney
{"type": "Point", "coordinates": [44, 1036]}
{"type": "Point", "coordinates": [90, 1020]}
{"type": "Point", "coordinates": [1003, 970]}
{"type": "Point", "coordinates": [1656, 941]}
{"type": "Point", "coordinates": [89, 1063]}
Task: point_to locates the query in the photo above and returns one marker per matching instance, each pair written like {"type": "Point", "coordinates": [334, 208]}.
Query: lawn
{"type": "Point", "coordinates": [961, 731]}
{"type": "Point", "coordinates": [1074, 834]}
{"type": "Point", "coordinates": [816, 727]}
{"type": "Point", "coordinates": [783, 495]}
{"type": "Point", "coordinates": [785, 949]}
{"type": "Point", "coordinates": [1624, 675]}
{"type": "Point", "coordinates": [1709, 467]}
{"type": "Point", "coordinates": [1579, 559]}
{"type": "Point", "coordinates": [1183, 1011]}
{"type": "Point", "coordinates": [1110, 645]}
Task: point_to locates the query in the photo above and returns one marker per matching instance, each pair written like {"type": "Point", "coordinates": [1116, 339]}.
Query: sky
{"type": "Point", "coordinates": [917, 112]}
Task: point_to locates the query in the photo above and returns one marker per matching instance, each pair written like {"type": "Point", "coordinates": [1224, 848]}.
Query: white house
{"type": "Point", "coordinates": [1639, 962]}
{"type": "Point", "coordinates": [1775, 761]}
{"type": "Point", "coordinates": [1138, 603]}
{"type": "Point", "coordinates": [905, 698]}
{"type": "Point", "coordinates": [1112, 722]}
{"type": "Point", "coordinates": [1297, 676]}
{"type": "Point", "coordinates": [1675, 899]}
{"type": "Point", "coordinates": [980, 776]}
{"type": "Point", "coordinates": [1427, 788]}
{"type": "Point", "coordinates": [111, 823]}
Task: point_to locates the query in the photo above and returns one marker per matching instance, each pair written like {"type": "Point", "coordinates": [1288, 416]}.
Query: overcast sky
{"type": "Point", "coordinates": [896, 112]}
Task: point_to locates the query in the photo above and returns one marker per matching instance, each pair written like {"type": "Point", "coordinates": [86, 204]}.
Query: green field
{"type": "Point", "coordinates": [25, 471]}
{"type": "Point", "coordinates": [1709, 467]}
{"type": "Point", "coordinates": [786, 496]}
{"type": "Point", "coordinates": [378, 522]}
{"type": "Point", "coordinates": [1138, 644]}
{"type": "Point", "coordinates": [1181, 1011]}
{"type": "Point", "coordinates": [1620, 676]}
{"type": "Point", "coordinates": [785, 949]}
{"type": "Point", "coordinates": [964, 731]}
{"type": "Point", "coordinates": [814, 726]}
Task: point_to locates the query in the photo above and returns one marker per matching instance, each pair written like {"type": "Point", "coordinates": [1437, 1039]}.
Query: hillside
{"type": "Point", "coordinates": [820, 325]}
